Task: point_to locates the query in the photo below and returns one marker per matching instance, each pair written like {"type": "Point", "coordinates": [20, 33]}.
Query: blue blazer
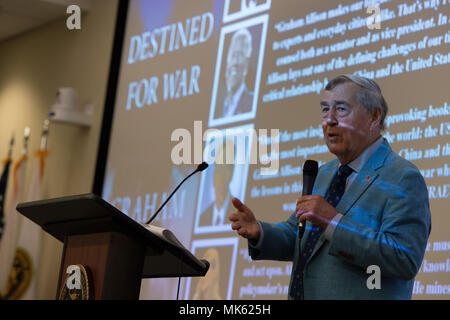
{"type": "Point", "coordinates": [386, 222]}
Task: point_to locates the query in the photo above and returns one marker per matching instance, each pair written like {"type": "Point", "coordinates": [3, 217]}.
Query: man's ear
{"type": "Point", "coordinates": [376, 119]}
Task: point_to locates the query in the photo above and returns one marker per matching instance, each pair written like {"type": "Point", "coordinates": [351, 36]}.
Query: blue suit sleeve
{"type": "Point", "coordinates": [278, 242]}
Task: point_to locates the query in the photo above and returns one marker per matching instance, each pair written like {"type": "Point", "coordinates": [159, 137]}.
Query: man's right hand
{"type": "Point", "coordinates": [244, 221]}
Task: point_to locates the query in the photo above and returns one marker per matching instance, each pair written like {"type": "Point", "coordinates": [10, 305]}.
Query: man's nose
{"type": "Point", "coordinates": [330, 118]}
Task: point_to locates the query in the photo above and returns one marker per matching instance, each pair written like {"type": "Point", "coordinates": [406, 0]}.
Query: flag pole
{"type": "Point", "coordinates": [10, 149]}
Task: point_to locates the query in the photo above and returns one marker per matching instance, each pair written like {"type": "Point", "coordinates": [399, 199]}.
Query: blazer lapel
{"type": "Point", "coordinates": [363, 180]}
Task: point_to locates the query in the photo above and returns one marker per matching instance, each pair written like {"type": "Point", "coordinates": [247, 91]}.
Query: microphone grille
{"type": "Point", "coordinates": [310, 168]}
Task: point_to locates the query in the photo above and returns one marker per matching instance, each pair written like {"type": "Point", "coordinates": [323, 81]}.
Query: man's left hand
{"type": "Point", "coordinates": [315, 209]}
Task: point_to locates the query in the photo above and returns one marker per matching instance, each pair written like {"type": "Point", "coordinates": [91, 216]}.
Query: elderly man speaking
{"type": "Point", "coordinates": [369, 208]}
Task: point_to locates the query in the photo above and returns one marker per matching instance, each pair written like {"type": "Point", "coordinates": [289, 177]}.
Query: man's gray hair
{"type": "Point", "coordinates": [245, 45]}
{"type": "Point", "coordinates": [370, 96]}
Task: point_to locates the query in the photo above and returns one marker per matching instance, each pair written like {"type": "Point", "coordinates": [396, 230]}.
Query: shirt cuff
{"type": "Point", "coordinates": [329, 230]}
{"type": "Point", "coordinates": [258, 244]}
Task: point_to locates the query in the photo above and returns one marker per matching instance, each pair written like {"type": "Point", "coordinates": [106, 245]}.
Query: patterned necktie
{"type": "Point", "coordinates": [333, 196]}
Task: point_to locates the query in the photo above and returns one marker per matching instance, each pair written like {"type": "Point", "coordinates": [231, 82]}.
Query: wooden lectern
{"type": "Point", "coordinates": [118, 251]}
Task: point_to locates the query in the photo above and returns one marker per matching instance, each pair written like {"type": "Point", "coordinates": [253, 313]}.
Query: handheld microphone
{"type": "Point", "coordinates": [202, 166]}
{"type": "Point", "coordinates": [310, 169]}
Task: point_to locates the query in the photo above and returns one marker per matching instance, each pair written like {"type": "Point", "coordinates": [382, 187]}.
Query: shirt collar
{"type": "Point", "coordinates": [361, 160]}
{"type": "Point", "coordinates": [221, 214]}
{"type": "Point", "coordinates": [232, 106]}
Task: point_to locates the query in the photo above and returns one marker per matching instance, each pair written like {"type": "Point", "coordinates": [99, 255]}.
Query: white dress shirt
{"type": "Point", "coordinates": [229, 107]}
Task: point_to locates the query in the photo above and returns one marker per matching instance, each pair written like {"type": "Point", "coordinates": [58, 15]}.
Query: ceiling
{"type": "Point", "coordinates": [19, 16]}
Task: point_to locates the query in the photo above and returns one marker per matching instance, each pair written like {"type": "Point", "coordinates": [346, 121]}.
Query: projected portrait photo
{"type": "Point", "coordinates": [238, 71]}
{"type": "Point", "coordinates": [237, 9]}
{"type": "Point", "coordinates": [217, 284]}
{"type": "Point", "coordinates": [227, 152]}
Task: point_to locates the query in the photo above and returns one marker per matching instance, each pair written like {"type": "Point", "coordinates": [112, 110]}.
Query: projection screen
{"type": "Point", "coordinates": [180, 62]}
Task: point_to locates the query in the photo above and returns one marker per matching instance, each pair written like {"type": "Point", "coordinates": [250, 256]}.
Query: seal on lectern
{"type": "Point", "coordinates": [78, 284]}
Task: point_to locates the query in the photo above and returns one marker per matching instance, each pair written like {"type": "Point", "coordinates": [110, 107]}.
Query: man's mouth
{"type": "Point", "coordinates": [331, 135]}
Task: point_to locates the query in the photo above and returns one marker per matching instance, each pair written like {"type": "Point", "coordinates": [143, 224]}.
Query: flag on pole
{"type": "Point", "coordinates": [22, 279]}
{"type": "Point", "coordinates": [10, 234]}
{"type": "Point", "coordinates": [3, 186]}
{"type": "Point", "coordinates": [12, 222]}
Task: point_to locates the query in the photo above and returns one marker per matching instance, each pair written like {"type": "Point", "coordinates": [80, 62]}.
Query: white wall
{"type": "Point", "coordinates": [32, 67]}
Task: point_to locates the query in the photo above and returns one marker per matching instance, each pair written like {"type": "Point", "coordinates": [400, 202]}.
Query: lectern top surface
{"type": "Point", "coordinates": [76, 213]}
